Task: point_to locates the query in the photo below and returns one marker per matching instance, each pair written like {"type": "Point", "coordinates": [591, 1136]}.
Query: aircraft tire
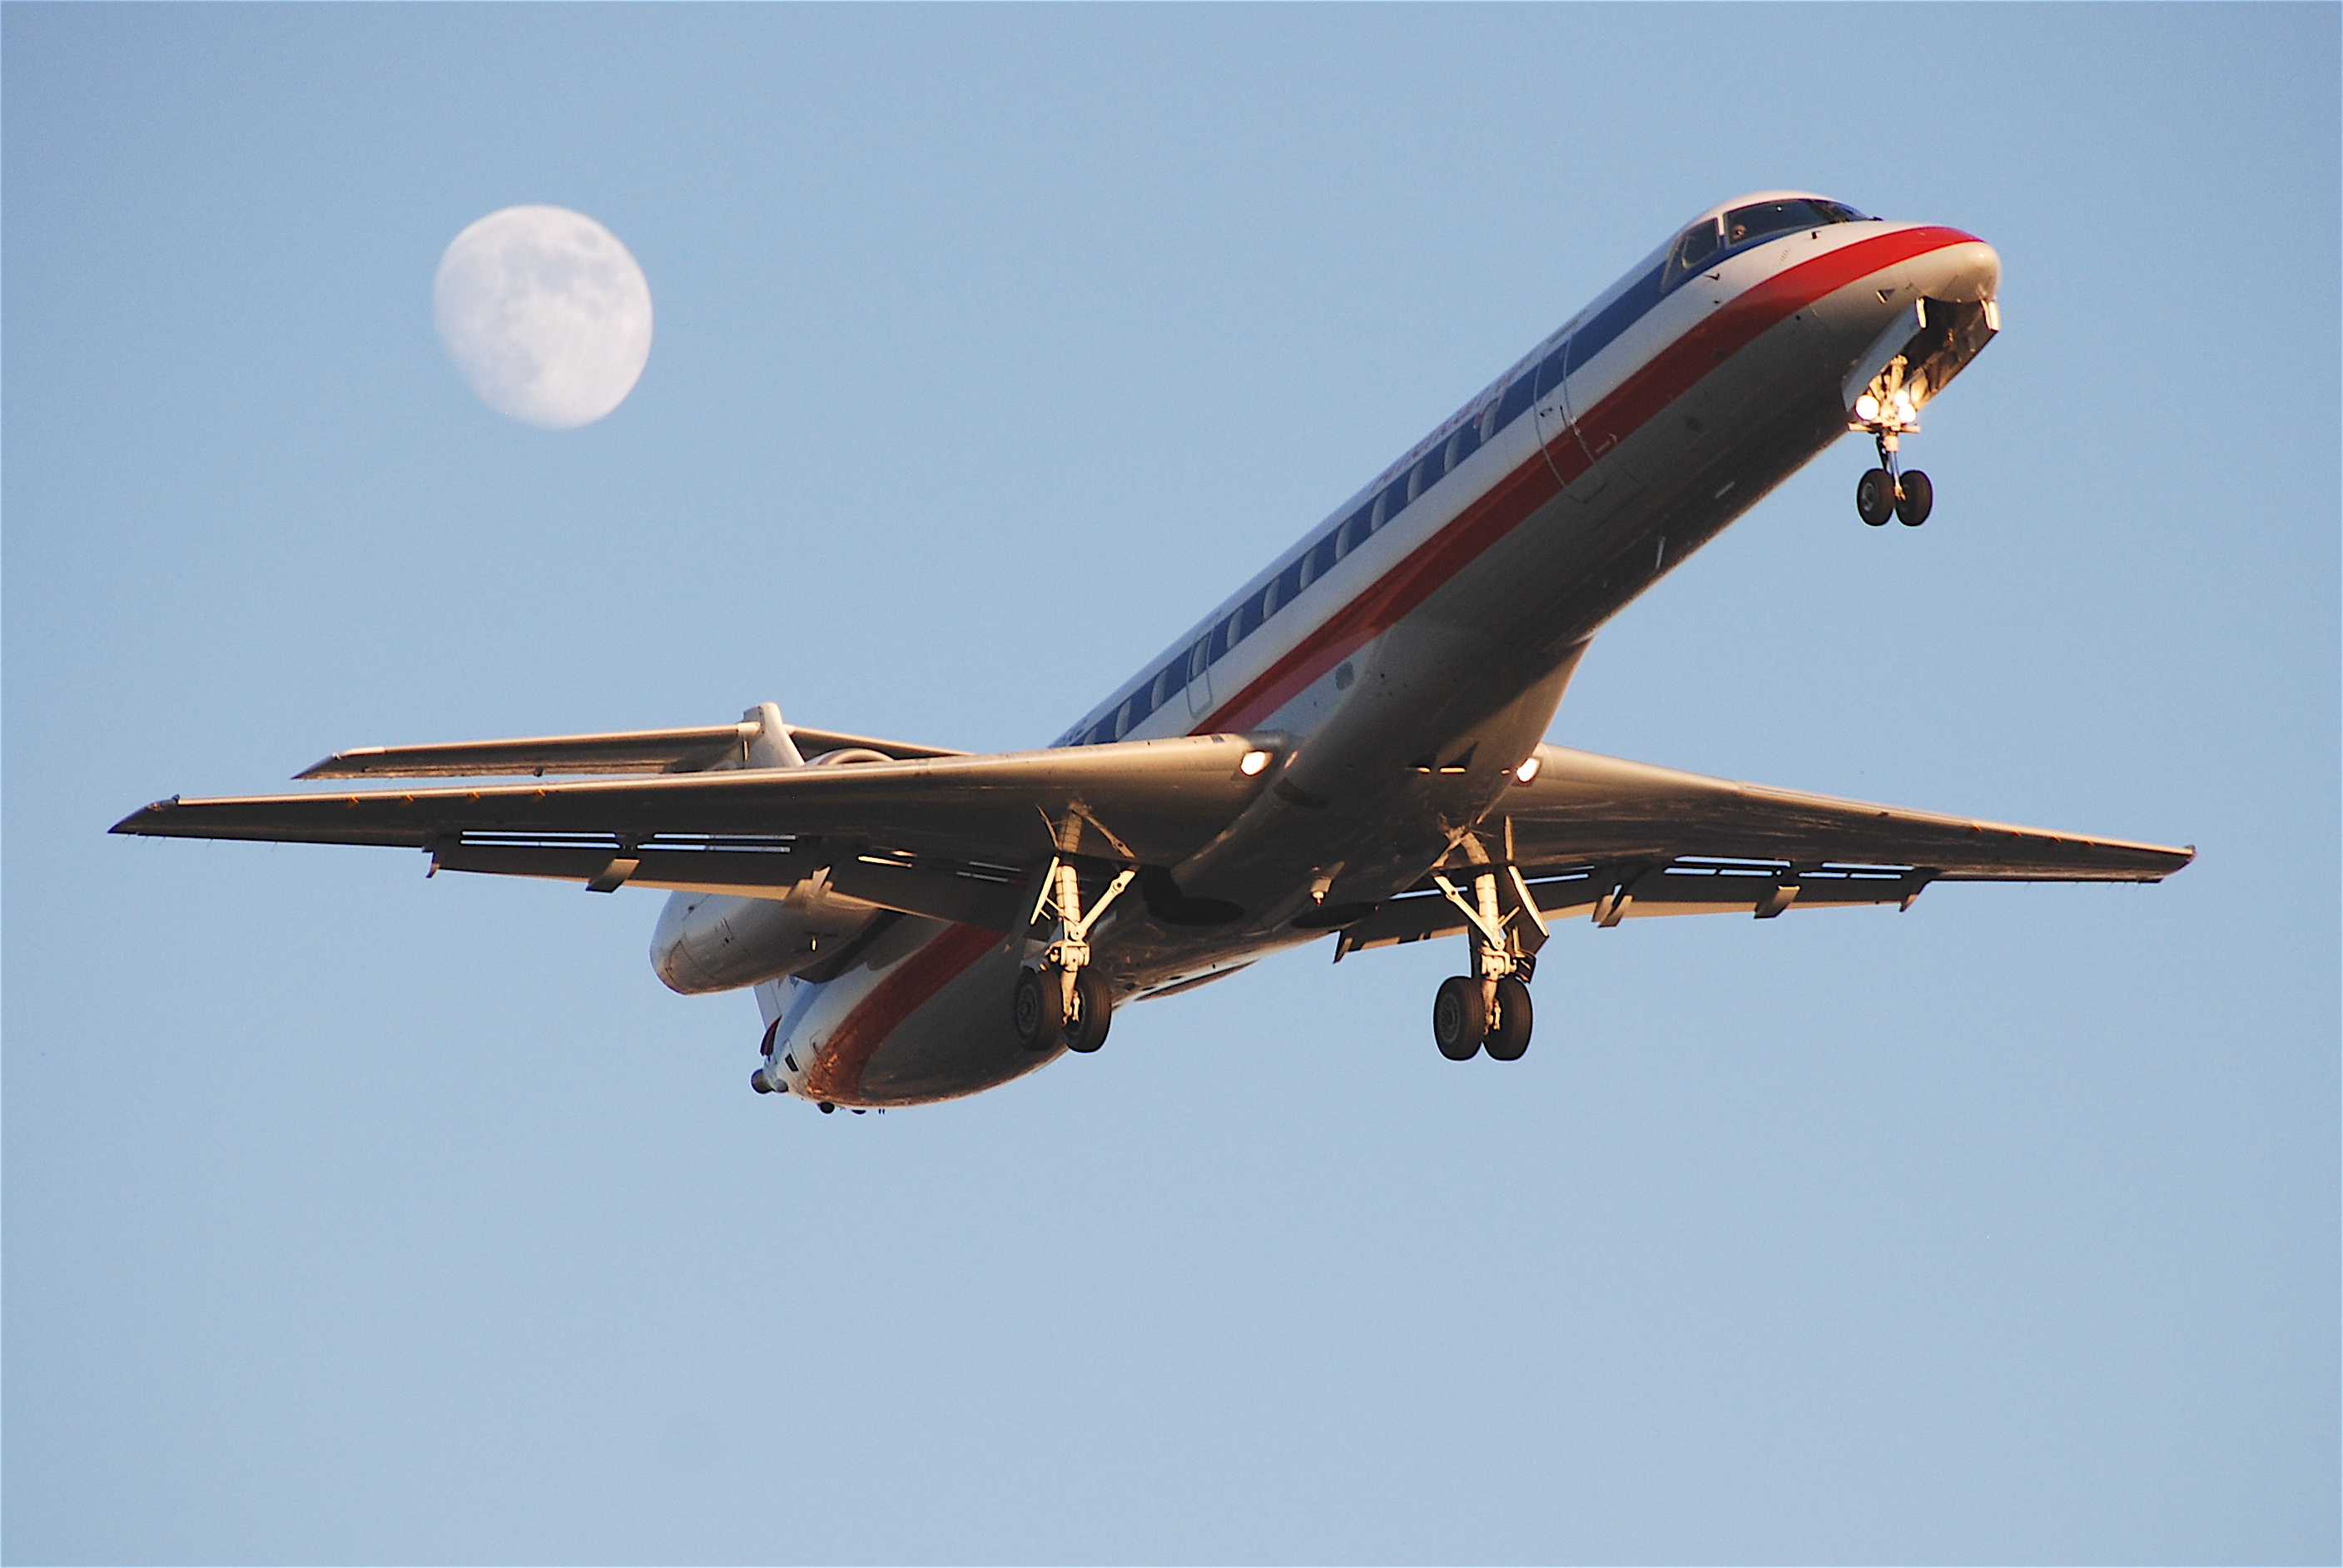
{"type": "Point", "coordinates": [1459, 1018]}
{"type": "Point", "coordinates": [1875, 496]}
{"type": "Point", "coordinates": [1509, 1037]}
{"type": "Point", "coordinates": [1918, 500]}
{"type": "Point", "coordinates": [1095, 1011]}
{"type": "Point", "coordinates": [1037, 1009]}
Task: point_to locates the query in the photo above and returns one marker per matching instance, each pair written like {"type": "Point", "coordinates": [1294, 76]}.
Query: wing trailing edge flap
{"type": "Point", "coordinates": [1693, 886]}
{"type": "Point", "coordinates": [951, 837]}
{"type": "Point", "coordinates": [970, 893]}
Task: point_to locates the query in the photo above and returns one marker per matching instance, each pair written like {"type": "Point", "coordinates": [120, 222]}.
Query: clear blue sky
{"type": "Point", "coordinates": [350, 1216]}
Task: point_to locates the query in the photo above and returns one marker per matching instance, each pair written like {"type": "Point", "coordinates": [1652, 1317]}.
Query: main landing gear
{"type": "Point", "coordinates": [1063, 1000]}
{"type": "Point", "coordinates": [1489, 1009]}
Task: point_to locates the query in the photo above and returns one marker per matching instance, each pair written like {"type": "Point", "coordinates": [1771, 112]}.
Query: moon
{"type": "Point", "coordinates": [545, 313]}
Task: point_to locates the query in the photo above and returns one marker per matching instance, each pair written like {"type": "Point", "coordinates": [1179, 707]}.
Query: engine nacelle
{"type": "Point", "coordinates": [719, 942]}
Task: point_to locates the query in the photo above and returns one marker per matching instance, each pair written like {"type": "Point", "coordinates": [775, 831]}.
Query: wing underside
{"type": "Point", "coordinates": [1614, 840]}
{"type": "Point", "coordinates": [952, 836]}
{"type": "Point", "coordinates": [960, 837]}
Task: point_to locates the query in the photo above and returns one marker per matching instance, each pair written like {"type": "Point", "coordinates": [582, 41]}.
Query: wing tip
{"type": "Point", "coordinates": [349, 764]}
{"type": "Point", "coordinates": [139, 821]}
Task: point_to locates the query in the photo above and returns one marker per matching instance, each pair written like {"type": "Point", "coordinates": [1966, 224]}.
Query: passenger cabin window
{"type": "Point", "coordinates": [1250, 617]}
{"type": "Point", "coordinates": [1323, 558]}
{"type": "Point", "coordinates": [1224, 637]}
{"type": "Point", "coordinates": [1289, 584]}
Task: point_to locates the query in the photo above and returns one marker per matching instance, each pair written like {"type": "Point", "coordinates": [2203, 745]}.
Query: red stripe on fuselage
{"type": "Point", "coordinates": [837, 1071]}
{"type": "Point", "coordinates": [1505, 504]}
{"type": "Point", "coordinates": [1672, 372]}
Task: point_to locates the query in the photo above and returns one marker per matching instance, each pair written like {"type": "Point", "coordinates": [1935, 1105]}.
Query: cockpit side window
{"type": "Point", "coordinates": [1698, 244]}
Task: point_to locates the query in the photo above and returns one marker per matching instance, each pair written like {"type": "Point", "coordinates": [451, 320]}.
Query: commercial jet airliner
{"type": "Point", "coordinates": [1349, 749]}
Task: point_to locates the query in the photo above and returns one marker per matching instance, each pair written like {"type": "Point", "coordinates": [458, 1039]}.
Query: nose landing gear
{"type": "Point", "coordinates": [1888, 410]}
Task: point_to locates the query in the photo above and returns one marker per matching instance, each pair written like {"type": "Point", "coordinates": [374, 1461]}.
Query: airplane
{"type": "Point", "coordinates": [1349, 749]}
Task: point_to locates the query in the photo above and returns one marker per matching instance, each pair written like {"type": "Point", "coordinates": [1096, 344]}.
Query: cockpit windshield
{"type": "Point", "coordinates": [1758, 219]}
{"type": "Point", "coordinates": [1714, 238]}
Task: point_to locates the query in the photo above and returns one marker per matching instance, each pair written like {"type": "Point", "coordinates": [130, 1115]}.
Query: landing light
{"type": "Point", "coordinates": [1255, 761]}
{"type": "Point", "coordinates": [1867, 408]}
{"type": "Point", "coordinates": [1527, 770]}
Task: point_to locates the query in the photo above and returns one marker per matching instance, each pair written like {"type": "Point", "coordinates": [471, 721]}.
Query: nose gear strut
{"type": "Point", "coordinates": [1888, 411]}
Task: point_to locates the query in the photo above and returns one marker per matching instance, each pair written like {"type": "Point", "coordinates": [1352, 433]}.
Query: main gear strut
{"type": "Point", "coordinates": [1490, 1009]}
{"type": "Point", "coordinates": [1063, 999]}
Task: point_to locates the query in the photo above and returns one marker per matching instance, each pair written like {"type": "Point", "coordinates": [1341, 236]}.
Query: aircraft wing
{"type": "Point", "coordinates": [1617, 839]}
{"type": "Point", "coordinates": [957, 837]}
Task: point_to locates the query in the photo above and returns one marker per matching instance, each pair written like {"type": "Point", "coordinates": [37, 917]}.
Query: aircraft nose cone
{"type": "Point", "coordinates": [1958, 268]}
{"type": "Point", "coordinates": [1981, 270]}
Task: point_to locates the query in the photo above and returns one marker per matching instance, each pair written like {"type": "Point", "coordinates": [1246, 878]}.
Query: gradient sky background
{"type": "Point", "coordinates": [353, 1216]}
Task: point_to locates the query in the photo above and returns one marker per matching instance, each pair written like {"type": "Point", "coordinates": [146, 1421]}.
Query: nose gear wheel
{"type": "Point", "coordinates": [1885, 491]}
{"type": "Point", "coordinates": [1915, 498]}
{"type": "Point", "coordinates": [1875, 496]}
